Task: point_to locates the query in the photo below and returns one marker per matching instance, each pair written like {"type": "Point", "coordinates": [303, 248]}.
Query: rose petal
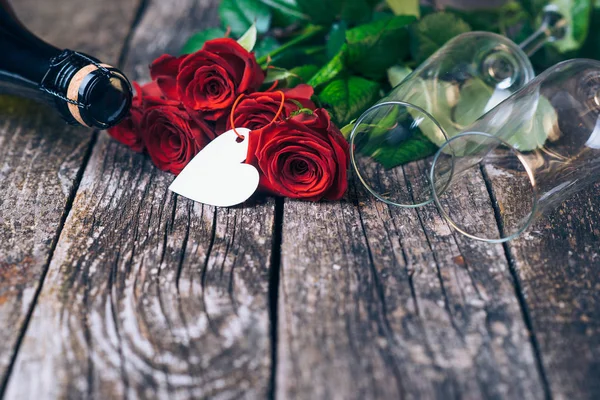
{"type": "Point", "coordinates": [173, 137]}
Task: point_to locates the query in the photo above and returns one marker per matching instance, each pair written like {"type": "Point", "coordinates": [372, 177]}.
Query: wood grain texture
{"type": "Point", "coordinates": [149, 295]}
{"type": "Point", "coordinates": [558, 262]}
{"type": "Point", "coordinates": [383, 302]}
{"type": "Point", "coordinates": [41, 156]}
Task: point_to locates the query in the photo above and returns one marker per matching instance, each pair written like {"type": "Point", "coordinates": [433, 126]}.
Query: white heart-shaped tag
{"type": "Point", "coordinates": [216, 175]}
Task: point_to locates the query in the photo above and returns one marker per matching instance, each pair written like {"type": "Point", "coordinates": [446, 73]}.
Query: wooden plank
{"type": "Point", "coordinates": [149, 295]}
{"type": "Point", "coordinates": [42, 157]}
{"type": "Point", "coordinates": [383, 302]}
{"type": "Point", "coordinates": [557, 261]}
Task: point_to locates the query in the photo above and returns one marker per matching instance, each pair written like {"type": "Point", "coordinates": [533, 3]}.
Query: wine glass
{"type": "Point", "coordinates": [537, 148]}
{"type": "Point", "coordinates": [465, 78]}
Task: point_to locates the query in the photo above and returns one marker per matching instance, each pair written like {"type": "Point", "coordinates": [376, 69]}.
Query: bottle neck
{"type": "Point", "coordinates": [74, 80]}
{"type": "Point", "coordinates": [24, 55]}
{"type": "Point", "coordinates": [83, 90]}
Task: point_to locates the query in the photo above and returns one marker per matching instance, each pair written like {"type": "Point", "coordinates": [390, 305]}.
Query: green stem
{"type": "Point", "coordinates": [309, 51]}
{"type": "Point", "coordinates": [308, 33]}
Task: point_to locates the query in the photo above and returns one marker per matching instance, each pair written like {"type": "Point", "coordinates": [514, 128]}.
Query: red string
{"type": "Point", "coordinates": [280, 107]}
{"type": "Point", "coordinates": [231, 119]}
{"type": "Point", "coordinates": [237, 101]}
{"type": "Point", "coordinates": [273, 86]}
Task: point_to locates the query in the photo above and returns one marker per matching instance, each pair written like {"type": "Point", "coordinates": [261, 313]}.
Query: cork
{"type": "Point", "coordinates": [73, 90]}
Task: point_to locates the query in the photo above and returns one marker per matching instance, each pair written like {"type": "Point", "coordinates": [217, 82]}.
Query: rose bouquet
{"type": "Point", "coordinates": [295, 60]}
{"type": "Point", "coordinates": [192, 99]}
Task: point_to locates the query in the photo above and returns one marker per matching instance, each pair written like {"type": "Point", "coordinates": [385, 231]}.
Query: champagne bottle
{"type": "Point", "coordinates": [82, 89]}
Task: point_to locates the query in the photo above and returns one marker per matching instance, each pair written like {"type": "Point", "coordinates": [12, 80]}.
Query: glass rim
{"type": "Point", "coordinates": [521, 159]}
{"type": "Point", "coordinates": [352, 149]}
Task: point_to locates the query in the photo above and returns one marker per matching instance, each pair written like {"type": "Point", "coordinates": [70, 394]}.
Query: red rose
{"type": "Point", "coordinates": [303, 157]}
{"type": "Point", "coordinates": [128, 130]}
{"type": "Point", "coordinates": [171, 135]}
{"type": "Point", "coordinates": [211, 79]}
{"type": "Point", "coordinates": [151, 89]}
{"type": "Point", "coordinates": [164, 72]}
{"type": "Point", "coordinates": [257, 110]}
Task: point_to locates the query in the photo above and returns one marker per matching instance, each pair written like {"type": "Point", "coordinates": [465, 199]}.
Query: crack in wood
{"type": "Point", "coordinates": [112, 293]}
{"type": "Point", "coordinates": [213, 235]}
{"type": "Point", "coordinates": [518, 287]}
{"type": "Point", "coordinates": [387, 329]}
{"type": "Point", "coordinates": [184, 245]}
{"type": "Point", "coordinates": [274, 278]}
{"type": "Point", "coordinates": [67, 210]}
{"type": "Point", "coordinates": [437, 262]}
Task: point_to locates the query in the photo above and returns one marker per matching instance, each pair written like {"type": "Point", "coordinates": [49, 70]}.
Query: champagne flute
{"type": "Point", "coordinates": [539, 146]}
{"type": "Point", "coordinates": [464, 79]}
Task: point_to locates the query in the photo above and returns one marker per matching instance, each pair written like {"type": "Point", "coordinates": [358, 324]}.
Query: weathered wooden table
{"type": "Point", "coordinates": [111, 286]}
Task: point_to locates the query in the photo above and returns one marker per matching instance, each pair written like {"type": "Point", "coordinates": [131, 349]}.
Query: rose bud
{"type": "Point", "coordinates": [171, 135]}
{"type": "Point", "coordinates": [304, 157]}
{"type": "Point", "coordinates": [128, 130]}
{"type": "Point", "coordinates": [258, 109]}
{"type": "Point", "coordinates": [211, 79]}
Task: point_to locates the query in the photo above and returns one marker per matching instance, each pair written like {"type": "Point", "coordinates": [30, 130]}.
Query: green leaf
{"type": "Point", "coordinates": [265, 46]}
{"type": "Point", "coordinates": [322, 12]}
{"type": "Point", "coordinates": [577, 14]}
{"type": "Point", "coordinates": [196, 42]}
{"type": "Point", "coordinates": [289, 7]}
{"type": "Point", "coordinates": [325, 12]}
{"type": "Point", "coordinates": [308, 33]}
{"type": "Point", "coordinates": [331, 70]}
{"type": "Point", "coordinates": [591, 48]}
{"type": "Point", "coordinates": [438, 98]}
{"type": "Point", "coordinates": [391, 141]}
{"type": "Point", "coordinates": [290, 78]}
{"type": "Point", "coordinates": [299, 55]}
{"type": "Point", "coordinates": [404, 7]}
{"type": "Point", "coordinates": [374, 47]}
{"type": "Point", "coordinates": [347, 130]}
{"type": "Point", "coordinates": [534, 7]}
{"type": "Point", "coordinates": [336, 39]}
{"type": "Point", "coordinates": [348, 98]}
{"type": "Point", "coordinates": [239, 15]}
{"type": "Point", "coordinates": [285, 12]}
{"type": "Point", "coordinates": [543, 126]}
{"type": "Point", "coordinates": [510, 15]}
{"type": "Point", "coordinates": [301, 75]}
{"type": "Point", "coordinates": [432, 32]}
{"type": "Point", "coordinates": [379, 15]}
{"type": "Point", "coordinates": [415, 148]}
{"type": "Point", "coordinates": [397, 73]}
{"type": "Point", "coordinates": [498, 20]}
{"type": "Point", "coordinates": [277, 74]}
{"type": "Point", "coordinates": [472, 103]}
{"type": "Point", "coordinates": [248, 39]}
{"type": "Point", "coordinates": [356, 11]}
{"type": "Point", "coordinates": [454, 107]}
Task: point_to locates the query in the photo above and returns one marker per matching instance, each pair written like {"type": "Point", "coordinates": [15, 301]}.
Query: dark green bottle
{"type": "Point", "coordinates": [81, 88]}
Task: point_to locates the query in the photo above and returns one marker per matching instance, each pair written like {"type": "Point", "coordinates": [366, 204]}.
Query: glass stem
{"type": "Point", "coordinates": [535, 41]}
{"type": "Point", "coordinates": [553, 27]}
